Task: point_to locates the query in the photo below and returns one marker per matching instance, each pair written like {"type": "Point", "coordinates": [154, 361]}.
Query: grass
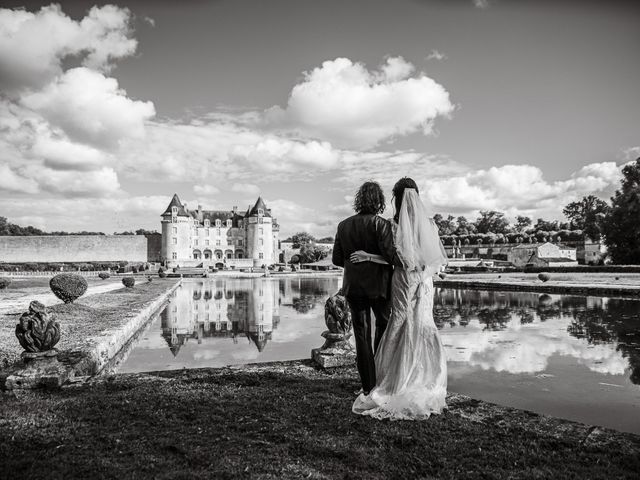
{"type": "Point", "coordinates": [86, 317]}
{"type": "Point", "coordinates": [287, 421]}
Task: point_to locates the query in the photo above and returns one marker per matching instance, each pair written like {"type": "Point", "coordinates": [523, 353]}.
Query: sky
{"type": "Point", "coordinates": [107, 110]}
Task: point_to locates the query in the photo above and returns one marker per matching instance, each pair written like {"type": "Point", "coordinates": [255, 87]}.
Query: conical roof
{"type": "Point", "coordinates": [175, 202]}
{"type": "Point", "coordinates": [260, 205]}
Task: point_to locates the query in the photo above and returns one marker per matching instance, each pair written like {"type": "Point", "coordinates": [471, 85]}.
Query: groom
{"type": "Point", "coordinates": [366, 285]}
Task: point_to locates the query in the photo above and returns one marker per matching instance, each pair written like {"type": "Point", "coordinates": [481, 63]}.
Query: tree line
{"type": "Point", "coordinates": [11, 229]}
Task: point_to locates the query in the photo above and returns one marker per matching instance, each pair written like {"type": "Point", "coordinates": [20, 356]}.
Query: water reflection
{"type": "Point", "coordinates": [513, 332]}
{"type": "Point", "coordinates": [227, 308]}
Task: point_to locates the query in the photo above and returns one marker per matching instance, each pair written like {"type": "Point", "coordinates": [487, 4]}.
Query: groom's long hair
{"type": "Point", "coordinates": [398, 193]}
{"type": "Point", "coordinates": [369, 199]}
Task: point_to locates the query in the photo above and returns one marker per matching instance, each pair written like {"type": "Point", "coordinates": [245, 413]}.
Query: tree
{"type": "Point", "coordinates": [522, 223]}
{"type": "Point", "coordinates": [301, 238]}
{"type": "Point", "coordinates": [446, 226]}
{"type": "Point", "coordinates": [491, 221]}
{"type": "Point", "coordinates": [310, 253]}
{"type": "Point", "coordinates": [325, 240]}
{"type": "Point", "coordinates": [587, 215]}
{"type": "Point", "coordinates": [465, 227]}
{"type": "Point", "coordinates": [543, 225]}
{"type": "Point", "coordinates": [621, 227]}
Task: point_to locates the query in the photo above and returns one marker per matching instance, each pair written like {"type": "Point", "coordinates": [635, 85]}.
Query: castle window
{"type": "Point", "coordinates": [228, 223]}
{"type": "Point", "coordinates": [206, 232]}
{"type": "Point", "coordinates": [206, 242]}
{"type": "Point", "coordinates": [218, 242]}
{"type": "Point", "coordinates": [175, 230]}
{"type": "Point", "coordinates": [196, 241]}
{"type": "Point", "coordinates": [240, 242]}
{"type": "Point", "coordinates": [175, 241]}
{"type": "Point", "coordinates": [174, 211]}
{"type": "Point", "coordinates": [206, 223]}
{"type": "Point", "coordinates": [261, 230]}
{"type": "Point", "coordinates": [260, 255]}
{"type": "Point", "coordinates": [174, 219]}
{"type": "Point", "coordinates": [260, 219]}
{"type": "Point", "coordinates": [218, 223]}
{"type": "Point", "coordinates": [261, 241]}
{"type": "Point", "coordinates": [174, 256]}
{"type": "Point", "coordinates": [218, 232]}
{"type": "Point", "coordinates": [260, 211]}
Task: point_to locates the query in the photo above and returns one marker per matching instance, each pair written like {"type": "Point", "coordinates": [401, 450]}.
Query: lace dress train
{"type": "Point", "coordinates": [411, 365]}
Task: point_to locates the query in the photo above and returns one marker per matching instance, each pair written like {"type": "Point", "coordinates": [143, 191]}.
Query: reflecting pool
{"type": "Point", "coordinates": [568, 356]}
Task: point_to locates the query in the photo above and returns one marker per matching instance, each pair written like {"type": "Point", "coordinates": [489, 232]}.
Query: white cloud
{"type": "Point", "coordinates": [517, 188]}
{"type": "Point", "coordinates": [345, 104]}
{"type": "Point", "coordinates": [206, 190]}
{"type": "Point", "coordinates": [34, 45]}
{"type": "Point", "coordinates": [13, 182]}
{"type": "Point", "coordinates": [275, 155]}
{"type": "Point", "coordinates": [436, 55]}
{"type": "Point", "coordinates": [90, 108]}
{"type": "Point", "coordinates": [94, 183]}
{"type": "Point", "coordinates": [62, 154]}
{"type": "Point", "coordinates": [245, 188]}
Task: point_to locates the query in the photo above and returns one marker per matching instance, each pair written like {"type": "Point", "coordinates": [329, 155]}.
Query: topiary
{"type": "Point", "coordinates": [103, 275]}
{"type": "Point", "coordinates": [129, 282]}
{"type": "Point", "coordinates": [545, 277]}
{"type": "Point", "coordinates": [134, 269]}
{"type": "Point", "coordinates": [68, 286]}
{"type": "Point", "coordinates": [4, 282]}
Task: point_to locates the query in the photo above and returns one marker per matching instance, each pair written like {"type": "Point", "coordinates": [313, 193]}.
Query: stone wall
{"type": "Point", "coordinates": [74, 248]}
{"type": "Point", "coordinates": [154, 247]}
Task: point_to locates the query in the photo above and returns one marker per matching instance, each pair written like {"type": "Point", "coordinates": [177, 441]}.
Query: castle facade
{"type": "Point", "coordinates": [219, 238]}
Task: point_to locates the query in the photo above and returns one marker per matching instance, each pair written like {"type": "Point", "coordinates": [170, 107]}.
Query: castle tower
{"type": "Point", "coordinates": [259, 228]}
{"type": "Point", "coordinates": [176, 233]}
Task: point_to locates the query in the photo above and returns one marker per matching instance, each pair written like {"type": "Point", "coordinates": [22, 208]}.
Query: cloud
{"type": "Point", "coordinates": [436, 55]}
{"type": "Point", "coordinates": [33, 46]}
{"type": "Point", "coordinates": [90, 108]}
{"type": "Point", "coordinates": [12, 182]}
{"type": "Point", "coordinates": [245, 188]}
{"type": "Point", "coordinates": [482, 4]}
{"type": "Point", "coordinates": [275, 155]}
{"type": "Point", "coordinates": [343, 103]}
{"type": "Point", "coordinates": [514, 188]}
{"type": "Point", "coordinates": [205, 190]}
{"type": "Point", "coordinates": [630, 154]}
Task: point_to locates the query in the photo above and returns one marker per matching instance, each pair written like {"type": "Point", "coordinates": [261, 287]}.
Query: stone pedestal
{"type": "Point", "coordinates": [41, 369]}
{"type": "Point", "coordinates": [336, 351]}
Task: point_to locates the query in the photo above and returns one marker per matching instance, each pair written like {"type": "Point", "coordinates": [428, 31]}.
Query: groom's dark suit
{"type": "Point", "coordinates": [366, 285]}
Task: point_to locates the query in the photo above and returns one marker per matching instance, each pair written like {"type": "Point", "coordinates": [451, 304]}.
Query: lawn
{"type": "Point", "coordinates": [285, 421]}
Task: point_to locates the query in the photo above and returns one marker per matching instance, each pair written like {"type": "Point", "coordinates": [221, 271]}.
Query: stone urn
{"type": "Point", "coordinates": [38, 333]}
{"type": "Point", "coordinates": [337, 350]}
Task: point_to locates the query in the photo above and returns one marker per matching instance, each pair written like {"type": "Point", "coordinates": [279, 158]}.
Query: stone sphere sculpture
{"type": "Point", "coordinates": [36, 331]}
{"type": "Point", "coordinates": [68, 286]}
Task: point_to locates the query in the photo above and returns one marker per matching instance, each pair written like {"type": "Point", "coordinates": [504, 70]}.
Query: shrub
{"type": "Point", "coordinates": [129, 282]}
{"type": "Point", "coordinates": [68, 286]}
{"type": "Point", "coordinates": [103, 275]}
{"type": "Point", "coordinates": [544, 277]}
{"type": "Point", "coordinates": [149, 279]}
{"type": "Point", "coordinates": [161, 272]}
{"type": "Point", "coordinates": [134, 269]}
{"type": "Point", "coordinates": [4, 282]}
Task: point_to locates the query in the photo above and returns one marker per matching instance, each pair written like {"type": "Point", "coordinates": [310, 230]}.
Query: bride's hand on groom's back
{"type": "Point", "coordinates": [359, 256]}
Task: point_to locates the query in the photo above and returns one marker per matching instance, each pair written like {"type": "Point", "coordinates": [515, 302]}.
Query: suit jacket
{"type": "Point", "coordinates": [372, 234]}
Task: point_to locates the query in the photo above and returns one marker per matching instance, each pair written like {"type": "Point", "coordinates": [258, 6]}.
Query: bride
{"type": "Point", "coordinates": [411, 367]}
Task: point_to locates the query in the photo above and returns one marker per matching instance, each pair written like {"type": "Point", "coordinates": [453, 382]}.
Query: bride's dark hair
{"type": "Point", "coordinates": [398, 192]}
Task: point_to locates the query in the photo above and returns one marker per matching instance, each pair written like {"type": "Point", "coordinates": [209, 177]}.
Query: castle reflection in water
{"type": "Point", "coordinates": [518, 333]}
{"type": "Point", "coordinates": [233, 308]}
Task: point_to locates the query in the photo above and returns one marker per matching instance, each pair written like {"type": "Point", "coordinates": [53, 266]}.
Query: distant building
{"type": "Point", "coordinates": [542, 255]}
{"type": "Point", "coordinates": [219, 238]}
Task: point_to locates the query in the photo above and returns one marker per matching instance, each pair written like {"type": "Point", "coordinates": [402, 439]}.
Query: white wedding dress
{"type": "Point", "coordinates": [411, 366]}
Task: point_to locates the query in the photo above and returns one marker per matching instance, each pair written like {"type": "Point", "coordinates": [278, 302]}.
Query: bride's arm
{"type": "Point", "coordinates": [360, 256]}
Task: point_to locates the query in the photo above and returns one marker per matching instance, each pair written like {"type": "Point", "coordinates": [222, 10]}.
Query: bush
{"type": "Point", "coordinates": [103, 275]}
{"type": "Point", "coordinates": [545, 277]}
{"type": "Point", "coordinates": [149, 279]}
{"type": "Point", "coordinates": [129, 282]}
{"type": "Point", "coordinates": [4, 282]}
{"type": "Point", "coordinates": [68, 287]}
{"type": "Point", "coordinates": [134, 269]}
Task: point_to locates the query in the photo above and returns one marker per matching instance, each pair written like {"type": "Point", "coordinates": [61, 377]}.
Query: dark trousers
{"type": "Point", "coordinates": [361, 308]}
